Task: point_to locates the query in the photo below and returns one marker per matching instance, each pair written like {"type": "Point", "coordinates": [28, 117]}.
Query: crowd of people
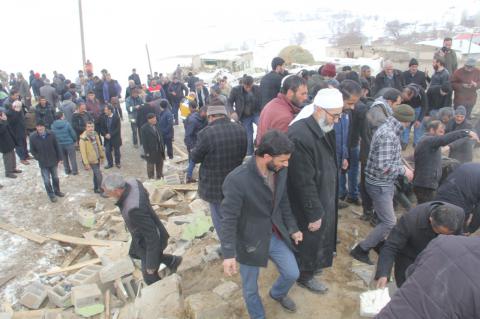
{"type": "Point", "coordinates": [324, 140]}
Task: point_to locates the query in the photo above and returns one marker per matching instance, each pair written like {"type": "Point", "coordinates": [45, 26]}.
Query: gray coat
{"type": "Point", "coordinates": [68, 108]}
{"type": "Point", "coordinates": [312, 190]}
{"type": "Point", "coordinates": [50, 94]}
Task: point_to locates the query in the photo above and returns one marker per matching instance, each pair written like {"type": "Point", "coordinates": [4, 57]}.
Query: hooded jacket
{"type": "Point", "coordinates": [64, 132]}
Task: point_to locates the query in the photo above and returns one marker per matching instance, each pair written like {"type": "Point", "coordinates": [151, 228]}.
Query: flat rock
{"type": "Point", "coordinates": [199, 205]}
{"type": "Point", "coordinates": [206, 305]}
{"type": "Point", "coordinates": [161, 299]}
{"type": "Point", "coordinates": [226, 289]}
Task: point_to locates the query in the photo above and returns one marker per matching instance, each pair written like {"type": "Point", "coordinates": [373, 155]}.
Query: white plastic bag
{"type": "Point", "coordinates": [371, 302]}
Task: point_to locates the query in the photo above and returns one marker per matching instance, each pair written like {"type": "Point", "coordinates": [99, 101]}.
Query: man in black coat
{"type": "Point", "coordinates": [389, 78]}
{"type": "Point", "coordinates": [415, 96]}
{"type": "Point", "coordinates": [135, 78]}
{"type": "Point", "coordinates": [462, 149]}
{"type": "Point", "coordinates": [428, 159]}
{"type": "Point", "coordinates": [153, 146]}
{"type": "Point", "coordinates": [221, 147]}
{"type": "Point", "coordinates": [44, 112]}
{"type": "Point", "coordinates": [45, 149]}
{"type": "Point", "coordinates": [245, 103]}
{"type": "Point", "coordinates": [313, 184]}
{"type": "Point", "coordinates": [149, 236]}
{"type": "Point", "coordinates": [7, 146]}
{"type": "Point", "coordinates": [112, 134]}
{"type": "Point", "coordinates": [258, 223]}
{"type": "Point", "coordinates": [413, 75]}
{"type": "Point", "coordinates": [80, 119]}
{"type": "Point", "coordinates": [462, 188]}
{"type": "Point", "coordinates": [412, 234]}
{"type": "Point", "coordinates": [442, 283]}
{"type": "Point", "coordinates": [16, 121]}
{"type": "Point", "coordinates": [177, 91]}
{"type": "Point", "coordinates": [271, 82]}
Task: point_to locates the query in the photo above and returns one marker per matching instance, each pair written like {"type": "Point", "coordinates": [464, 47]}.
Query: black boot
{"type": "Point", "coordinates": [361, 255]}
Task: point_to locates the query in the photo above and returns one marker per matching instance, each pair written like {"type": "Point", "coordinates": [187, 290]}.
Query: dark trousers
{"type": "Point", "coordinates": [169, 145]}
{"type": "Point", "coordinates": [21, 149]}
{"type": "Point", "coordinates": [9, 162]}
{"type": "Point", "coordinates": [423, 194]}
{"type": "Point", "coordinates": [152, 278]}
{"type": "Point", "coordinates": [97, 176]}
{"type": "Point", "coordinates": [134, 127]}
{"type": "Point", "coordinates": [109, 148]}
{"type": "Point", "coordinates": [151, 167]}
{"type": "Point", "coordinates": [47, 174]}
{"type": "Point", "coordinates": [367, 203]}
{"type": "Point", "coordinates": [69, 158]}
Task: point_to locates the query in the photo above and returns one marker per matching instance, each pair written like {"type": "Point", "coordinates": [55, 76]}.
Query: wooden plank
{"type": "Point", "coordinates": [179, 151]}
{"type": "Point", "coordinates": [116, 219]}
{"type": "Point", "coordinates": [80, 241]}
{"type": "Point", "coordinates": [73, 255]}
{"type": "Point", "coordinates": [35, 313]}
{"type": "Point", "coordinates": [73, 267]}
{"type": "Point", "coordinates": [184, 187]}
{"type": "Point", "coordinates": [107, 304]}
{"type": "Point", "coordinates": [168, 205]}
{"type": "Point", "coordinates": [24, 233]}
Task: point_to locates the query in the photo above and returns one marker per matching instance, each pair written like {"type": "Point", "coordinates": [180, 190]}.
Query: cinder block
{"type": "Point", "coordinates": [131, 285]}
{"type": "Point", "coordinates": [87, 275]}
{"type": "Point", "coordinates": [172, 179]}
{"type": "Point", "coordinates": [34, 295]}
{"type": "Point", "coordinates": [116, 270]}
{"type": "Point", "coordinates": [87, 300]}
{"type": "Point", "coordinates": [60, 295]}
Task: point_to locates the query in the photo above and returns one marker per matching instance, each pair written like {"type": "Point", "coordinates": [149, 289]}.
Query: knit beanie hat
{"type": "Point", "coordinates": [329, 69]}
{"type": "Point", "coordinates": [461, 110]}
{"type": "Point", "coordinates": [404, 113]}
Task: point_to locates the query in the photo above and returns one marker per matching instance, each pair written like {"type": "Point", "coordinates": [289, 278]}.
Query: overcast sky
{"type": "Point", "coordinates": [44, 35]}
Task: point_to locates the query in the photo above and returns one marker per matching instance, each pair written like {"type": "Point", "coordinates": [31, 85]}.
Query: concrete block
{"type": "Point", "coordinates": [172, 179]}
{"type": "Point", "coordinates": [87, 275]}
{"type": "Point", "coordinates": [131, 286]}
{"type": "Point", "coordinates": [226, 289]}
{"type": "Point", "coordinates": [161, 195]}
{"type": "Point", "coordinates": [191, 196]}
{"type": "Point", "coordinates": [60, 295]}
{"type": "Point", "coordinates": [162, 299]}
{"type": "Point", "coordinates": [116, 269]}
{"type": "Point", "coordinates": [34, 295]}
{"type": "Point", "coordinates": [86, 218]}
{"type": "Point", "coordinates": [207, 305]}
{"type": "Point", "coordinates": [87, 300]}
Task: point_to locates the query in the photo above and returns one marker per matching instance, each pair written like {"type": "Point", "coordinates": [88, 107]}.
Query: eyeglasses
{"type": "Point", "coordinates": [335, 116]}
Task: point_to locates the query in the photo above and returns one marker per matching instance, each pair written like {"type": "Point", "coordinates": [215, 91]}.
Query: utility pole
{"type": "Point", "coordinates": [81, 33]}
{"type": "Point", "coordinates": [148, 56]}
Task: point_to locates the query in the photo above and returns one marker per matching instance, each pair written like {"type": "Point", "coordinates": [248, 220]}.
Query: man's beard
{"type": "Point", "coordinates": [435, 67]}
{"type": "Point", "coordinates": [324, 124]}
{"type": "Point", "coordinates": [271, 167]}
{"type": "Point", "coordinates": [296, 102]}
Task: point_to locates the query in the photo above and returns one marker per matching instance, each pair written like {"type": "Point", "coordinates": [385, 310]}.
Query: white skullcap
{"type": "Point", "coordinates": [329, 99]}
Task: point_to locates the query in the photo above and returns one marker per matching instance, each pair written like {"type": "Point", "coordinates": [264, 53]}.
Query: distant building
{"type": "Point", "coordinates": [475, 37]}
{"type": "Point", "coordinates": [234, 61]}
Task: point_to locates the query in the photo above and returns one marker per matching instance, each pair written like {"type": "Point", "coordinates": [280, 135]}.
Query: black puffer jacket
{"type": "Point", "coordinates": [442, 283]}
{"type": "Point", "coordinates": [7, 141]}
{"type": "Point", "coordinates": [270, 87]}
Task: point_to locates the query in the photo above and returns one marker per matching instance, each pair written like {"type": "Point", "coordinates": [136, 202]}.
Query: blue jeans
{"type": "Point", "coordinates": [342, 178]}
{"type": "Point", "coordinates": [47, 173]}
{"type": "Point", "coordinates": [190, 168]}
{"type": "Point", "coordinates": [97, 176]}
{"type": "Point", "coordinates": [353, 171]}
{"type": "Point", "coordinates": [287, 266]}
{"type": "Point", "coordinates": [247, 123]}
{"type": "Point", "coordinates": [417, 131]}
{"type": "Point", "coordinates": [217, 216]}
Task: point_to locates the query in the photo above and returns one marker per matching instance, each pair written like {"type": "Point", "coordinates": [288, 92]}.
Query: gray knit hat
{"type": "Point", "coordinates": [461, 110]}
{"type": "Point", "coordinates": [404, 113]}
